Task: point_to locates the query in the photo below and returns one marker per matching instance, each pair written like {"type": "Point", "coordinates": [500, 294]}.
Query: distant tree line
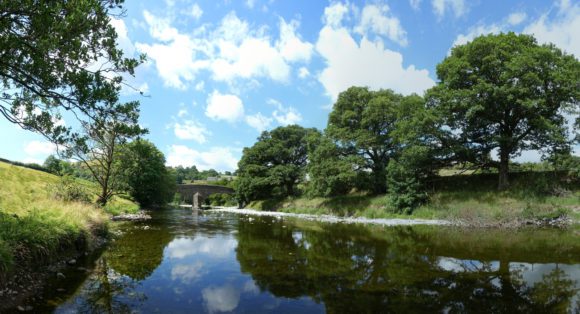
{"type": "Point", "coordinates": [191, 173]}
{"type": "Point", "coordinates": [497, 95]}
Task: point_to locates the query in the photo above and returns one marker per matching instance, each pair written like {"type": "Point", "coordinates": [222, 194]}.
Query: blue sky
{"type": "Point", "coordinates": [221, 71]}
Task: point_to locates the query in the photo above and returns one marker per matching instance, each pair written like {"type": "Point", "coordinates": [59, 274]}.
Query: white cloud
{"type": "Point", "coordinates": [194, 11]}
{"type": "Point", "coordinates": [258, 122]}
{"type": "Point", "coordinates": [230, 51]}
{"type": "Point", "coordinates": [191, 130]}
{"type": "Point", "coordinates": [219, 158]}
{"type": "Point", "coordinates": [415, 4]}
{"type": "Point", "coordinates": [334, 14]}
{"type": "Point", "coordinates": [224, 107]}
{"type": "Point", "coordinates": [291, 47]}
{"type": "Point", "coordinates": [175, 57]}
{"type": "Point", "coordinates": [36, 148]}
{"type": "Point", "coordinates": [284, 115]}
{"type": "Point", "coordinates": [366, 63]}
{"type": "Point", "coordinates": [564, 5]}
{"type": "Point", "coordinates": [250, 3]}
{"type": "Point", "coordinates": [378, 19]}
{"type": "Point", "coordinates": [254, 57]}
{"type": "Point", "coordinates": [246, 54]}
{"type": "Point", "coordinates": [303, 73]}
{"type": "Point", "coordinates": [232, 29]}
{"type": "Point", "coordinates": [516, 18]}
{"type": "Point", "coordinates": [287, 116]}
{"type": "Point", "coordinates": [182, 113]}
{"type": "Point", "coordinates": [563, 29]}
{"type": "Point", "coordinates": [477, 31]}
{"type": "Point", "coordinates": [200, 86]}
{"type": "Point", "coordinates": [123, 41]}
{"type": "Point", "coordinates": [457, 6]}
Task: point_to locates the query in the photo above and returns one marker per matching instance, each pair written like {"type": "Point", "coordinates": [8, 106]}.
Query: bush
{"type": "Point", "coordinates": [68, 190]}
{"type": "Point", "coordinates": [406, 179]}
{"type": "Point", "coordinates": [221, 199]}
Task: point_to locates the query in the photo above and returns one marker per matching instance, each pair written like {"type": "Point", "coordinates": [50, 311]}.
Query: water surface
{"type": "Point", "coordinates": [190, 262]}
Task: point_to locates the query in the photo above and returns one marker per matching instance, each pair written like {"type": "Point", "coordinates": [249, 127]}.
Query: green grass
{"type": "Point", "coordinates": [35, 226]}
{"type": "Point", "coordinates": [121, 206]}
{"type": "Point", "coordinates": [470, 198]}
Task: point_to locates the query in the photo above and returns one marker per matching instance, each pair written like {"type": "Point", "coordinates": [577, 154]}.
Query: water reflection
{"type": "Point", "coordinates": [219, 247]}
{"type": "Point", "coordinates": [407, 269]}
{"type": "Point", "coordinates": [219, 263]}
{"type": "Point", "coordinates": [221, 299]}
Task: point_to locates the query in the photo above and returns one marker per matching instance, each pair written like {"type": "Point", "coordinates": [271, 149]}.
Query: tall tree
{"type": "Point", "coordinates": [98, 148]}
{"type": "Point", "coordinates": [274, 165]}
{"type": "Point", "coordinates": [58, 56]}
{"type": "Point", "coordinates": [507, 93]}
{"type": "Point", "coordinates": [149, 181]}
{"type": "Point", "coordinates": [361, 123]}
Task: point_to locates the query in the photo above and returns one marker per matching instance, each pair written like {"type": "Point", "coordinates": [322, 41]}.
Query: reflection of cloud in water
{"type": "Point", "coordinates": [221, 299]}
{"type": "Point", "coordinates": [187, 273]}
{"type": "Point", "coordinates": [458, 265]}
{"type": "Point", "coordinates": [250, 287]}
{"type": "Point", "coordinates": [214, 247]}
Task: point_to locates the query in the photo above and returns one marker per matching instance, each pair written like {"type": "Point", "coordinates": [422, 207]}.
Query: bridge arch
{"type": "Point", "coordinates": [197, 193]}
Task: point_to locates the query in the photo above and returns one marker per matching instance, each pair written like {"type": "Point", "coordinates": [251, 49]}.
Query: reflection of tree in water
{"type": "Point", "coordinates": [349, 269]}
{"type": "Point", "coordinates": [108, 292]}
{"type": "Point", "coordinates": [139, 251]}
{"type": "Point", "coordinates": [555, 292]}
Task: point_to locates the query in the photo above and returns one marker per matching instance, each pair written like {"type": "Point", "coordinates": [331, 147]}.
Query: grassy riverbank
{"type": "Point", "coordinates": [473, 199]}
{"type": "Point", "coordinates": [36, 227]}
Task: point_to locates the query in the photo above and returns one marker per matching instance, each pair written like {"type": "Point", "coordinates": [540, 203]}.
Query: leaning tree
{"type": "Point", "coordinates": [59, 56]}
{"type": "Point", "coordinates": [506, 93]}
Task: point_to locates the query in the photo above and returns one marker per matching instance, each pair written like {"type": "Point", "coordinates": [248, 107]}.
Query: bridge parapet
{"type": "Point", "coordinates": [196, 193]}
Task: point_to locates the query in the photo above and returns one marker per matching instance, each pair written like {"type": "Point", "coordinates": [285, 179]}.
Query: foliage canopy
{"type": "Point", "coordinates": [507, 93]}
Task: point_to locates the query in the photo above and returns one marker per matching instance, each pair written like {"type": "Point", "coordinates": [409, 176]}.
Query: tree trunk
{"type": "Point", "coordinates": [290, 188]}
{"type": "Point", "coordinates": [504, 160]}
{"type": "Point", "coordinates": [104, 197]}
{"type": "Point", "coordinates": [380, 179]}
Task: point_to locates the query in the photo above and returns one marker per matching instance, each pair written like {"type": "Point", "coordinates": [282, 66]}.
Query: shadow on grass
{"type": "Point", "coordinates": [347, 205]}
{"type": "Point", "coordinates": [524, 186]}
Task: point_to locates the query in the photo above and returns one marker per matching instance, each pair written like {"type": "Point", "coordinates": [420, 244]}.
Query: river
{"type": "Point", "coordinates": [191, 262]}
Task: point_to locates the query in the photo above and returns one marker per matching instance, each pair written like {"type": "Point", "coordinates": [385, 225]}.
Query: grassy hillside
{"type": "Point", "coordinates": [35, 226]}
{"type": "Point", "coordinates": [471, 198]}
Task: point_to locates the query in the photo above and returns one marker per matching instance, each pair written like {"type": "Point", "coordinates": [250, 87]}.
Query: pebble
{"type": "Point", "coordinates": [25, 308]}
{"type": "Point", "coordinates": [60, 276]}
{"type": "Point", "coordinates": [72, 261]}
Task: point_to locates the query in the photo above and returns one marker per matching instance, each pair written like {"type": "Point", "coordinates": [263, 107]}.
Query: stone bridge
{"type": "Point", "coordinates": [197, 193]}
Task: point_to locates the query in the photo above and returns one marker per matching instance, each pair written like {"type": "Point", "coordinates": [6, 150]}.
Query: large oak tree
{"type": "Point", "coordinates": [274, 165]}
{"type": "Point", "coordinates": [507, 93]}
{"type": "Point", "coordinates": [361, 123]}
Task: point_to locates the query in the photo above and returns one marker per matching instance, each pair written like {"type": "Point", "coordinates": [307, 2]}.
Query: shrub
{"type": "Point", "coordinates": [220, 199]}
{"type": "Point", "coordinates": [68, 190]}
{"type": "Point", "coordinates": [406, 179]}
